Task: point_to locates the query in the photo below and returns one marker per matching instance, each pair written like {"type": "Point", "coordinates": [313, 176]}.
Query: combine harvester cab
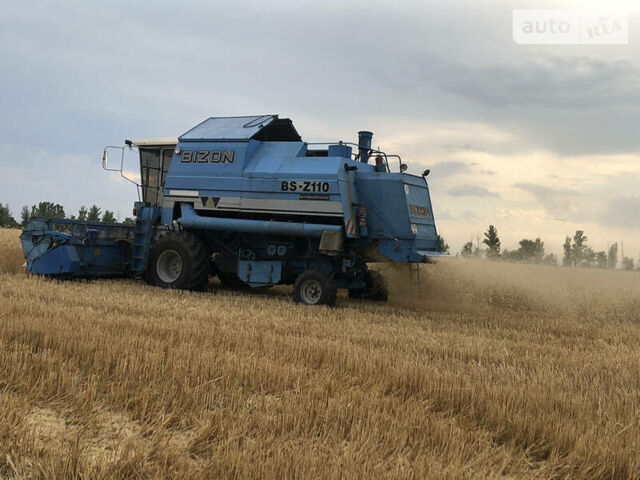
{"type": "Point", "coordinates": [246, 200]}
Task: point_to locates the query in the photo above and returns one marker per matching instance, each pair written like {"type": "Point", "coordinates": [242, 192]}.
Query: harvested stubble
{"type": "Point", "coordinates": [485, 370]}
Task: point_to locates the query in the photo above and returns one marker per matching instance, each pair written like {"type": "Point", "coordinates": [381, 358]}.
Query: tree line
{"type": "Point", "coordinates": [576, 252]}
{"type": "Point", "coordinates": [55, 210]}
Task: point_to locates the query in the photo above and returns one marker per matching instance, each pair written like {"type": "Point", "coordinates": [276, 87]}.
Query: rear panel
{"type": "Point", "coordinates": [399, 214]}
{"type": "Point", "coordinates": [420, 211]}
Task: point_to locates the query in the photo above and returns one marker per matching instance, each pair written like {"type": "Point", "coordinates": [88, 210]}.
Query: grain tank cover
{"type": "Point", "coordinates": [258, 127]}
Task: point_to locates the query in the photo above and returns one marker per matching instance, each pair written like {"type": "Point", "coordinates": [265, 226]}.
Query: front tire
{"type": "Point", "coordinates": [315, 287]}
{"type": "Point", "coordinates": [178, 260]}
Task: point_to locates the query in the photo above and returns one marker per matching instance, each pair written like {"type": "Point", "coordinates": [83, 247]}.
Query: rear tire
{"type": "Point", "coordinates": [178, 260]}
{"type": "Point", "coordinates": [315, 287]}
{"type": "Point", "coordinates": [376, 289]}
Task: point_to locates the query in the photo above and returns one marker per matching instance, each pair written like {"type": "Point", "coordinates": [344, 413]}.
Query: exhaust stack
{"type": "Point", "coordinates": [364, 145]}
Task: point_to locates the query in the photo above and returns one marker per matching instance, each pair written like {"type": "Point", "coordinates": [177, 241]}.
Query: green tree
{"type": "Point", "coordinates": [588, 258]}
{"type": "Point", "coordinates": [628, 263]}
{"type": "Point", "coordinates": [467, 249]}
{"type": "Point", "coordinates": [82, 214]}
{"type": "Point", "coordinates": [129, 221]}
{"type": "Point", "coordinates": [6, 219]}
{"type": "Point", "coordinates": [25, 216]}
{"type": "Point", "coordinates": [108, 217]}
{"type": "Point", "coordinates": [612, 256]}
{"type": "Point", "coordinates": [580, 252]}
{"type": "Point", "coordinates": [566, 249]}
{"type": "Point", "coordinates": [530, 251]}
{"type": "Point", "coordinates": [601, 259]}
{"type": "Point", "coordinates": [443, 246]}
{"type": "Point", "coordinates": [550, 259]}
{"type": "Point", "coordinates": [94, 214]}
{"type": "Point", "coordinates": [47, 210]}
{"type": "Point", "coordinates": [492, 241]}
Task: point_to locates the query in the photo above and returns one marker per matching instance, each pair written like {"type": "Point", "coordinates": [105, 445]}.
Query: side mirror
{"type": "Point", "coordinates": [105, 159]}
{"type": "Point", "coordinates": [403, 167]}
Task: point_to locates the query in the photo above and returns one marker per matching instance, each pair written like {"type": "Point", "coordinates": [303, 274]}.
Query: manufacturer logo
{"type": "Point", "coordinates": [419, 211]}
{"type": "Point", "coordinates": [207, 156]}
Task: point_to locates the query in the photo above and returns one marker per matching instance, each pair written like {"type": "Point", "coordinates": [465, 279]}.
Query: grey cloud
{"type": "Point", "coordinates": [471, 191]}
{"type": "Point", "coordinates": [447, 215]}
{"type": "Point", "coordinates": [443, 215]}
{"type": "Point", "coordinates": [468, 215]}
{"type": "Point", "coordinates": [569, 104]}
{"type": "Point", "coordinates": [556, 82]}
{"type": "Point", "coordinates": [448, 169]}
{"type": "Point", "coordinates": [623, 212]}
{"type": "Point", "coordinates": [464, 147]}
{"type": "Point", "coordinates": [561, 203]}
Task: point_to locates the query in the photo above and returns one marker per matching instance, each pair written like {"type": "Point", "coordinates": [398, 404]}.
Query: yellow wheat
{"type": "Point", "coordinates": [483, 370]}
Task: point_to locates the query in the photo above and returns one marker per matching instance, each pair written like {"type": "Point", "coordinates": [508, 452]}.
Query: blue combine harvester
{"type": "Point", "coordinates": [244, 198]}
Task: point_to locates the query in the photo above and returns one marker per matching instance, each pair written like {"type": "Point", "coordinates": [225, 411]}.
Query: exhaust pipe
{"type": "Point", "coordinates": [364, 145]}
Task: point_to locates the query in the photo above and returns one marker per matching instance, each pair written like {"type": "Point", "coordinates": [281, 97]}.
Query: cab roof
{"type": "Point", "coordinates": [258, 127]}
{"type": "Point", "coordinates": [155, 142]}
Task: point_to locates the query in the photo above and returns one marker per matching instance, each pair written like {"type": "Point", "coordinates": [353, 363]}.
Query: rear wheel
{"type": "Point", "coordinates": [376, 289]}
{"type": "Point", "coordinates": [178, 260]}
{"type": "Point", "coordinates": [315, 287]}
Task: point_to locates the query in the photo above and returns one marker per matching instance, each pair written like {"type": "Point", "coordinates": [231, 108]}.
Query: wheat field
{"type": "Point", "coordinates": [480, 370]}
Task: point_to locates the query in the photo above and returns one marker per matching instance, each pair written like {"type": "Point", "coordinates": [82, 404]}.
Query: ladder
{"type": "Point", "coordinates": [142, 236]}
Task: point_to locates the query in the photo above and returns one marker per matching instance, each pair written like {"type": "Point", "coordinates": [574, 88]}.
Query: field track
{"type": "Point", "coordinates": [483, 370]}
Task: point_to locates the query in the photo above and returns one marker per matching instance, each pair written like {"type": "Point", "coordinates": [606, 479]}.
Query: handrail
{"type": "Point", "coordinates": [371, 150]}
{"type": "Point", "coordinates": [105, 165]}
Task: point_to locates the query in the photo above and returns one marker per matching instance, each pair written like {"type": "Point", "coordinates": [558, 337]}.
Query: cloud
{"type": "Point", "coordinates": [446, 215]}
{"type": "Point", "coordinates": [468, 215]}
{"type": "Point", "coordinates": [581, 83]}
{"type": "Point", "coordinates": [623, 212]}
{"type": "Point", "coordinates": [598, 204]}
{"type": "Point", "coordinates": [471, 191]}
{"type": "Point", "coordinates": [448, 169]}
{"type": "Point", "coordinates": [561, 203]}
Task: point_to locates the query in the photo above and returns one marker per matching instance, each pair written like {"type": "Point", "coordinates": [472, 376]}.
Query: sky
{"type": "Point", "coordinates": [539, 140]}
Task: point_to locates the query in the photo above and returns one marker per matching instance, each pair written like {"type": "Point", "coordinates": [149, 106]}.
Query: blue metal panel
{"type": "Point", "coordinates": [259, 273]}
{"type": "Point", "coordinates": [57, 261]}
{"type": "Point", "coordinates": [399, 214]}
{"type": "Point", "coordinates": [349, 195]}
{"type": "Point", "coordinates": [146, 219]}
{"type": "Point", "coordinates": [343, 151]}
{"type": "Point", "coordinates": [387, 213]}
{"type": "Point", "coordinates": [228, 128]}
{"type": "Point", "coordinates": [406, 251]}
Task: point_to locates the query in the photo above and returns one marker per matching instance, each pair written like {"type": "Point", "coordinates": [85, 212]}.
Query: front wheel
{"type": "Point", "coordinates": [178, 260]}
{"type": "Point", "coordinates": [315, 287]}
